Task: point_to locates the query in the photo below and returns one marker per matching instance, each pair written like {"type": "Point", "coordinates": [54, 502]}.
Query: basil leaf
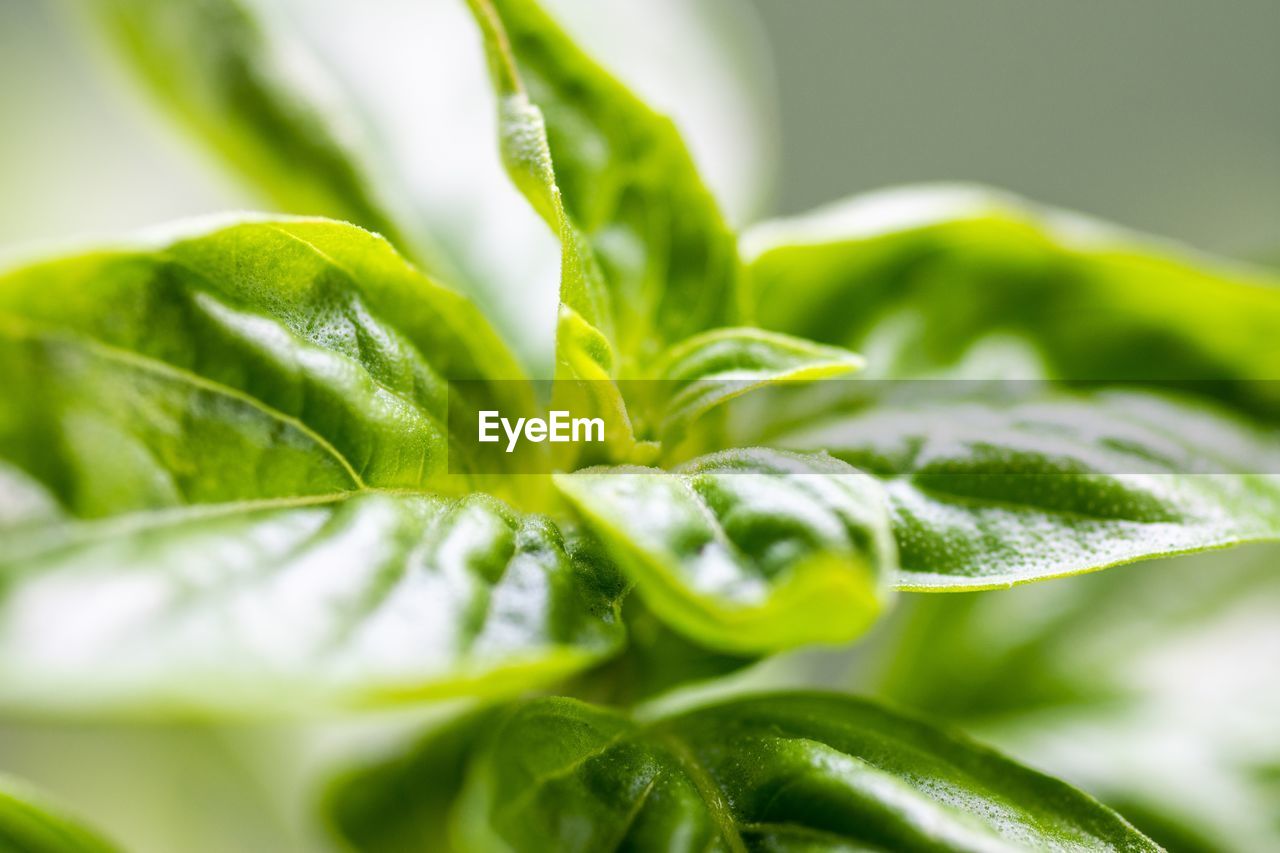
{"type": "Point", "coordinates": [301, 356]}
{"type": "Point", "coordinates": [28, 825]}
{"type": "Point", "coordinates": [296, 606]}
{"type": "Point", "coordinates": [773, 772]}
{"type": "Point", "coordinates": [204, 435]}
{"type": "Point", "coordinates": [715, 367]}
{"type": "Point", "coordinates": [924, 279]}
{"type": "Point", "coordinates": [1095, 679]}
{"type": "Point", "coordinates": [213, 66]}
{"type": "Point", "coordinates": [746, 551]}
{"type": "Point", "coordinates": [648, 258]}
{"type": "Point", "coordinates": [987, 495]}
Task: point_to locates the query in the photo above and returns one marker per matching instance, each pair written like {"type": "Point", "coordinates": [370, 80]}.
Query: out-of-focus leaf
{"type": "Point", "coordinates": [648, 258]}
{"type": "Point", "coordinates": [250, 360]}
{"type": "Point", "coordinates": [771, 772]}
{"type": "Point", "coordinates": [296, 606]}
{"type": "Point", "coordinates": [28, 825]}
{"type": "Point", "coordinates": [746, 551]}
{"type": "Point", "coordinates": [215, 67]}
{"type": "Point", "coordinates": [922, 279]}
{"type": "Point", "coordinates": [1154, 688]}
{"type": "Point", "coordinates": [988, 494]}
{"type": "Point", "coordinates": [403, 803]}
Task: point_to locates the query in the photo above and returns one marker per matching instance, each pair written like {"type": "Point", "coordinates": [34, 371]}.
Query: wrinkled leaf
{"type": "Point", "coordinates": [988, 494]}
{"type": "Point", "coordinates": [28, 825]}
{"type": "Point", "coordinates": [1154, 688]}
{"type": "Point", "coordinates": [289, 356]}
{"type": "Point", "coordinates": [925, 281]}
{"type": "Point", "coordinates": [216, 462]}
{"type": "Point", "coordinates": [247, 94]}
{"type": "Point", "coordinates": [746, 551]}
{"type": "Point", "coordinates": [296, 606]}
{"type": "Point", "coordinates": [780, 772]}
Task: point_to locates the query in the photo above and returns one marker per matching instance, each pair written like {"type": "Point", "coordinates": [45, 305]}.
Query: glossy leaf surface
{"type": "Point", "coordinates": [988, 494]}
{"type": "Point", "coordinates": [275, 607]}
{"type": "Point", "coordinates": [746, 551]}
{"type": "Point", "coordinates": [785, 772]}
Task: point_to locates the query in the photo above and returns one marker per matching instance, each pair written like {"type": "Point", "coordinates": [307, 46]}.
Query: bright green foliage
{"type": "Point", "coordinates": [297, 606]}
{"type": "Point", "coordinates": [988, 494]}
{"type": "Point", "coordinates": [238, 479]}
{"type": "Point", "coordinates": [746, 551]}
{"type": "Point", "coordinates": [784, 772]}
{"type": "Point", "coordinates": [28, 825]}
{"type": "Point", "coordinates": [1119, 682]}
{"type": "Point", "coordinates": [213, 66]}
{"type": "Point", "coordinates": [922, 280]}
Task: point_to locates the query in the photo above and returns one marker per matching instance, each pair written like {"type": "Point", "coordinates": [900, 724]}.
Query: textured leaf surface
{"type": "Point", "coordinates": [27, 825]}
{"type": "Point", "coordinates": [987, 495]}
{"type": "Point", "coordinates": [242, 608]}
{"type": "Point", "coordinates": [746, 551]}
{"type": "Point", "coordinates": [220, 461]}
{"type": "Point", "coordinates": [1154, 688]}
{"type": "Point", "coordinates": [289, 356]}
{"type": "Point", "coordinates": [926, 280]}
{"type": "Point", "coordinates": [215, 67]}
{"type": "Point", "coordinates": [784, 772]}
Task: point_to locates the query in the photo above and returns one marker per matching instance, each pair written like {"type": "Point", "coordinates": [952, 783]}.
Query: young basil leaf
{"type": "Point", "coordinates": [746, 551]}
{"type": "Point", "coordinates": [715, 367]}
{"type": "Point", "coordinates": [296, 606]}
{"type": "Point", "coordinates": [214, 66]}
{"type": "Point", "coordinates": [772, 772]}
{"type": "Point", "coordinates": [987, 495]}
{"type": "Point", "coordinates": [305, 356]}
{"type": "Point", "coordinates": [1076, 678]}
{"type": "Point", "coordinates": [920, 279]}
{"type": "Point", "coordinates": [648, 258]}
{"type": "Point", "coordinates": [28, 825]}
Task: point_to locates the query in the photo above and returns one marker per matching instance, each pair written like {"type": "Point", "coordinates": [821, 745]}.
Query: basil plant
{"type": "Point", "coordinates": [241, 486]}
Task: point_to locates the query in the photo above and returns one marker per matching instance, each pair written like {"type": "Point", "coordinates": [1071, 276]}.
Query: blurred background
{"type": "Point", "coordinates": [1158, 114]}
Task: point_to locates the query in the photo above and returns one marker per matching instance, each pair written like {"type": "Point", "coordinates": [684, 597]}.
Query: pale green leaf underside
{"type": "Point", "coordinates": [788, 772]}
{"type": "Point", "coordinates": [295, 606]}
{"type": "Point", "coordinates": [988, 495]}
{"type": "Point", "coordinates": [28, 825]}
{"type": "Point", "coordinates": [746, 551]}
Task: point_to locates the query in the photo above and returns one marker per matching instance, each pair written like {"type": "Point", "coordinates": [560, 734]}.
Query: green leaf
{"type": "Point", "coordinates": [1154, 688]}
{"type": "Point", "coordinates": [925, 281]}
{"type": "Point", "coordinates": [648, 258]}
{"type": "Point", "coordinates": [29, 825]}
{"type": "Point", "coordinates": [715, 367]}
{"type": "Point", "coordinates": [293, 357]}
{"type": "Point", "coordinates": [220, 461]}
{"type": "Point", "coordinates": [746, 551]}
{"type": "Point", "coordinates": [772, 772]}
{"type": "Point", "coordinates": [296, 606]}
{"type": "Point", "coordinates": [214, 67]}
{"type": "Point", "coordinates": [989, 494]}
